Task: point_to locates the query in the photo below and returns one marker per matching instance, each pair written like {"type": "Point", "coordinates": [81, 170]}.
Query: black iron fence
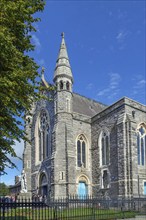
{"type": "Point", "coordinates": [72, 208]}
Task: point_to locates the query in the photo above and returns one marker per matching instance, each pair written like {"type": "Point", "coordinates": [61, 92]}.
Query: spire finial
{"type": "Point", "coordinates": [62, 34]}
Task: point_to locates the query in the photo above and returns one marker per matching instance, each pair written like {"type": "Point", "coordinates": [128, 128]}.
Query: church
{"type": "Point", "coordinates": [79, 146]}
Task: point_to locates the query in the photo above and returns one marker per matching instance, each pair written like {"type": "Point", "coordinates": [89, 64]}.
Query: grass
{"type": "Point", "coordinates": [71, 214]}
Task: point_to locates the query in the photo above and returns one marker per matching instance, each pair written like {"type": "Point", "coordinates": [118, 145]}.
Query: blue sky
{"type": "Point", "coordinates": [106, 47]}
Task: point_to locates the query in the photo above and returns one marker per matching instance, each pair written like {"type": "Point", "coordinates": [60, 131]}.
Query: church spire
{"type": "Point", "coordinates": [63, 67]}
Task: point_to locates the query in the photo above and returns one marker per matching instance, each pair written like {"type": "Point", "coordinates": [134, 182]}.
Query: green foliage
{"type": "Point", "coordinates": [4, 189]}
{"type": "Point", "coordinates": [18, 72]}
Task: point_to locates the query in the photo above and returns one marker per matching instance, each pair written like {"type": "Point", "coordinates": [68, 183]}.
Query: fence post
{"type": "Point", "coordinates": [3, 209]}
{"type": "Point", "coordinates": [122, 209]}
{"type": "Point", "coordinates": [55, 212]}
{"type": "Point", "coordinates": [93, 209]}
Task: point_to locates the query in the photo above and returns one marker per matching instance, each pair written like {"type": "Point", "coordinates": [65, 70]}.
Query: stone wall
{"type": "Point", "coordinates": [121, 120]}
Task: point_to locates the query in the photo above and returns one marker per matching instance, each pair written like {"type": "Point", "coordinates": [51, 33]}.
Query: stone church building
{"type": "Point", "coordinates": [81, 146]}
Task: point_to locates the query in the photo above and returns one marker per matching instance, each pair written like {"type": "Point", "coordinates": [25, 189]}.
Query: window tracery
{"type": "Point", "coordinates": [43, 136]}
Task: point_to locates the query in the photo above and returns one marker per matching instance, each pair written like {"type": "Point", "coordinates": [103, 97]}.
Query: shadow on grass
{"type": "Point", "coordinates": [14, 218]}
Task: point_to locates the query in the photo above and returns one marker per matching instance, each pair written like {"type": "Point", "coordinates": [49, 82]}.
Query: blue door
{"type": "Point", "coordinates": [82, 189]}
{"type": "Point", "coordinates": [144, 188]}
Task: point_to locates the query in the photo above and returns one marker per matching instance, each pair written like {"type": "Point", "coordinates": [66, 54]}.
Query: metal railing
{"type": "Point", "coordinates": [72, 208]}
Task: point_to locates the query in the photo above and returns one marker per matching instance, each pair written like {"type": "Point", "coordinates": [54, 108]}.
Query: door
{"type": "Point", "coordinates": [144, 188]}
{"type": "Point", "coordinates": [82, 189]}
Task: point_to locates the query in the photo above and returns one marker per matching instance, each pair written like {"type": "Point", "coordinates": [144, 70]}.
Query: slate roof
{"type": "Point", "coordinates": [86, 106]}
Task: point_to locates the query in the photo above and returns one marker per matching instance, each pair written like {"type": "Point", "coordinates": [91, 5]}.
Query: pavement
{"type": "Point", "coordinates": [142, 217]}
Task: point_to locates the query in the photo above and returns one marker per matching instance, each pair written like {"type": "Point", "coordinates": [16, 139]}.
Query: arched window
{"type": "Point", "coordinates": [81, 151]}
{"type": "Point", "coordinates": [141, 145]}
{"type": "Point", "coordinates": [104, 148]}
{"type": "Point", "coordinates": [61, 84]}
{"type": "Point", "coordinates": [43, 136]}
{"type": "Point", "coordinates": [67, 86]}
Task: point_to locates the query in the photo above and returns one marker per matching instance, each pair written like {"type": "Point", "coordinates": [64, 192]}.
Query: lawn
{"type": "Point", "coordinates": [71, 214]}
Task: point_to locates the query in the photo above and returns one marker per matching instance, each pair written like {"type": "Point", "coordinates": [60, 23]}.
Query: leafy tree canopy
{"type": "Point", "coordinates": [18, 72]}
{"type": "Point", "coordinates": [4, 189]}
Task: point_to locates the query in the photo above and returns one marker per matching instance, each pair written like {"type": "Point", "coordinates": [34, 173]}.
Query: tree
{"type": "Point", "coordinates": [4, 189]}
{"type": "Point", "coordinates": [18, 72]}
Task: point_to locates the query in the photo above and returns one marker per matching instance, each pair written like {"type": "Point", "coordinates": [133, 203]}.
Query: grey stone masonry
{"type": "Point", "coordinates": [80, 146]}
{"type": "Point", "coordinates": [121, 120]}
{"type": "Point", "coordinates": [27, 159]}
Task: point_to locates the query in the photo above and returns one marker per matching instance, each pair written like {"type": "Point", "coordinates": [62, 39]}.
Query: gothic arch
{"type": "Point", "coordinates": [42, 130]}
{"type": "Point", "coordinates": [83, 177]}
{"type": "Point", "coordinates": [83, 185]}
{"type": "Point", "coordinates": [104, 147]}
{"type": "Point", "coordinates": [42, 183]}
{"type": "Point", "coordinates": [82, 151]}
{"type": "Point", "coordinates": [141, 124]}
{"type": "Point", "coordinates": [141, 144]}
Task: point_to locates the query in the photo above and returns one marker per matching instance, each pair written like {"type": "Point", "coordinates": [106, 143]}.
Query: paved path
{"type": "Point", "coordinates": [142, 217]}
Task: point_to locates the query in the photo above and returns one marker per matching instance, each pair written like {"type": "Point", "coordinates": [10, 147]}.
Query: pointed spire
{"type": "Point", "coordinates": [62, 64]}
{"type": "Point", "coordinates": [43, 77]}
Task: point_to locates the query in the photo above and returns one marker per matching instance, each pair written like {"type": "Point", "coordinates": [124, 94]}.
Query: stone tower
{"type": "Point", "coordinates": [63, 123]}
{"type": "Point", "coordinates": [27, 159]}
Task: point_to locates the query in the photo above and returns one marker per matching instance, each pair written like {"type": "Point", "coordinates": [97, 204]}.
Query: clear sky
{"type": "Point", "coordinates": [106, 47]}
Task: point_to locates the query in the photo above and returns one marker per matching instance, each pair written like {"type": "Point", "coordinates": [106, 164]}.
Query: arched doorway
{"type": "Point", "coordinates": [43, 185]}
{"type": "Point", "coordinates": [82, 187]}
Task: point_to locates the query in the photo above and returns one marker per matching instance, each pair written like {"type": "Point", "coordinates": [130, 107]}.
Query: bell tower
{"type": "Point", "coordinates": [63, 132]}
{"type": "Point", "coordinates": [63, 80]}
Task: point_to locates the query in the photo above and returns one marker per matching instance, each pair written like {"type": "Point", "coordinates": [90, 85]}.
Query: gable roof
{"type": "Point", "coordinates": [86, 106]}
